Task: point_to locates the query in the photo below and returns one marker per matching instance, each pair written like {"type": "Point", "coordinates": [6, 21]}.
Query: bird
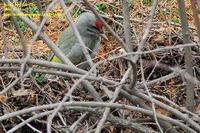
{"type": "Point", "coordinates": [90, 29]}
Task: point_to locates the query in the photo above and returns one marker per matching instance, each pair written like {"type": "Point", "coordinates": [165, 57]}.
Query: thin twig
{"type": "Point", "coordinates": [76, 32]}
{"type": "Point", "coordinates": [99, 105]}
{"type": "Point", "coordinates": [121, 42]}
{"type": "Point", "coordinates": [149, 94]}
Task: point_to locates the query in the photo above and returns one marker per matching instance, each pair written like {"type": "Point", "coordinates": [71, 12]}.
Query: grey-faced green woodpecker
{"type": "Point", "coordinates": [90, 29]}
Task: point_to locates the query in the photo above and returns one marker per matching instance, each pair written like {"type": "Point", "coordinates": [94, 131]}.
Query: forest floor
{"type": "Point", "coordinates": [166, 31]}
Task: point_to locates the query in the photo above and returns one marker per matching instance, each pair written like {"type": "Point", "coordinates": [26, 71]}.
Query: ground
{"type": "Point", "coordinates": [166, 31]}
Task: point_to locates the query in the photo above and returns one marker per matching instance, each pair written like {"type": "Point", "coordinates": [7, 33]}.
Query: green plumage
{"type": "Point", "coordinates": [70, 46]}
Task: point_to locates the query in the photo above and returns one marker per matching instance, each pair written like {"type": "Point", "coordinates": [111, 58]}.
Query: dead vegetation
{"type": "Point", "coordinates": [103, 101]}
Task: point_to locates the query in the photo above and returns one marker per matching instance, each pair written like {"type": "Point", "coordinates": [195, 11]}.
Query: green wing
{"type": "Point", "coordinates": [65, 44]}
{"type": "Point", "coordinates": [70, 46]}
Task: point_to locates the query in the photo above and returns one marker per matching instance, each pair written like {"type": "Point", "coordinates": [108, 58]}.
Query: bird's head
{"type": "Point", "coordinates": [88, 23]}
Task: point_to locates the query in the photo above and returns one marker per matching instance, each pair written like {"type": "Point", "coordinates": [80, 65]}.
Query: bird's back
{"type": "Point", "coordinates": [89, 28]}
{"type": "Point", "coordinates": [70, 46]}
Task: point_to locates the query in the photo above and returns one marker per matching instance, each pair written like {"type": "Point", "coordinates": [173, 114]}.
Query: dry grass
{"type": "Point", "coordinates": [162, 34]}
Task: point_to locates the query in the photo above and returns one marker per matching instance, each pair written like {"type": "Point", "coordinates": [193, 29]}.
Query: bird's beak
{"type": "Point", "coordinates": [104, 36]}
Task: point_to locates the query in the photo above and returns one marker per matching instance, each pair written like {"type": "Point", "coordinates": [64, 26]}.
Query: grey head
{"type": "Point", "coordinates": [89, 25]}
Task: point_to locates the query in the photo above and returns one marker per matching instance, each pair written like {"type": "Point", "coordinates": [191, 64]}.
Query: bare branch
{"type": "Point", "coordinates": [190, 102]}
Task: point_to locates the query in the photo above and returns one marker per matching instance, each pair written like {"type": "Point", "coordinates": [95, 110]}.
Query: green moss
{"type": "Point", "coordinates": [147, 2]}
{"type": "Point", "coordinates": [100, 7]}
{"type": "Point", "coordinates": [21, 24]}
{"type": "Point", "coordinates": [40, 78]}
{"type": "Point", "coordinates": [132, 3]}
{"type": "Point", "coordinates": [175, 19]}
{"type": "Point", "coordinates": [76, 11]}
{"type": "Point", "coordinates": [33, 10]}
